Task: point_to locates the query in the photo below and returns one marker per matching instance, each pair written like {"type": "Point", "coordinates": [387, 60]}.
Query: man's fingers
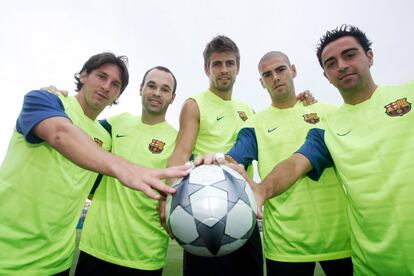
{"type": "Point", "coordinates": [174, 172]}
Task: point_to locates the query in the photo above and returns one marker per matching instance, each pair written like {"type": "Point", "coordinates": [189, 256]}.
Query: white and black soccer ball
{"type": "Point", "coordinates": [213, 212]}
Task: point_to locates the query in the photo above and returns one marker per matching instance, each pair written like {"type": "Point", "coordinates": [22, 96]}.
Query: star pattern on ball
{"type": "Point", "coordinates": [237, 190]}
{"type": "Point", "coordinates": [187, 189]}
{"type": "Point", "coordinates": [208, 236]}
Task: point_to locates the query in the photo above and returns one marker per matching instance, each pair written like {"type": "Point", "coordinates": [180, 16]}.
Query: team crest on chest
{"type": "Point", "coordinates": [311, 118]}
{"type": "Point", "coordinates": [242, 115]}
{"type": "Point", "coordinates": [156, 146]}
{"type": "Point", "coordinates": [98, 141]}
{"type": "Point", "coordinates": [398, 108]}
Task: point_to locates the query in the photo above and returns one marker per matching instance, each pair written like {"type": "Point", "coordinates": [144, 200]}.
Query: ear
{"type": "Point", "coordinates": [140, 90]}
{"type": "Point", "coordinates": [261, 82]}
{"type": "Point", "coordinates": [370, 56]}
{"type": "Point", "coordinates": [173, 98]}
{"type": "Point", "coordinates": [206, 70]}
{"type": "Point", "coordinates": [293, 68]}
{"type": "Point", "coordinates": [82, 76]}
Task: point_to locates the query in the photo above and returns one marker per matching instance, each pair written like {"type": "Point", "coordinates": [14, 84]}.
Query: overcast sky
{"type": "Point", "coordinates": [46, 42]}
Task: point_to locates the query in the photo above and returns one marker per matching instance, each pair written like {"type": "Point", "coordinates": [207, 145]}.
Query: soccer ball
{"type": "Point", "coordinates": [213, 212]}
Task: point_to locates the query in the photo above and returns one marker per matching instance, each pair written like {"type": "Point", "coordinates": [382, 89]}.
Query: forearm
{"type": "Point", "coordinates": [284, 175]}
{"type": "Point", "coordinates": [78, 147]}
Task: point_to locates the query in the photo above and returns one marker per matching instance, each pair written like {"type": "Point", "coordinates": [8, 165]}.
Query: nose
{"type": "Point", "coordinates": [106, 85]}
{"type": "Point", "coordinates": [275, 77]}
{"type": "Point", "coordinates": [342, 65]}
{"type": "Point", "coordinates": [156, 92]}
{"type": "Point", "coordinates": [224, 69]}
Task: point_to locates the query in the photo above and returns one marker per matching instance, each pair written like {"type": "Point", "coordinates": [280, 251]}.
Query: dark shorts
{"type": "Point", "coordinates": [340, 267]}
{"type": "Point", "coordinates": [90, 265]}
{"type": "Point", "coordinates": [247, 260]}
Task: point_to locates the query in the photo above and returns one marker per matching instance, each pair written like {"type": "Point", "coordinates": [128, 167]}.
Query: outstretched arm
{"type": "Point", "coordinates": [78, 147]}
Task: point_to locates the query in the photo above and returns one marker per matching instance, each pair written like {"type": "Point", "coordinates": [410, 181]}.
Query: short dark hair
{"type": "Point", "coordinates": [97, 61]}
{"type": "Point", "coordinates": [341, 31]}
{"type": "Point", "coordinates": [161, 68]}
{"type": "Point", "coordinates": [220, 44]}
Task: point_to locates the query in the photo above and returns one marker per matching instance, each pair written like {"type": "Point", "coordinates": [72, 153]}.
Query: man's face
{"type": "Point", "coordinates": [157, 92]}
{"type": "Point", "coordinates": [277, 76]}
{"type": "Point", "coordinates": [101, 87]}
{"type": "Point", "coordinates": [346, 65]}
{"type": "Point", "coordinates": [222, 70]}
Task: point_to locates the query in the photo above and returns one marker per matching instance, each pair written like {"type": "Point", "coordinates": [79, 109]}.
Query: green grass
{"type": "Point", "coordinates": [174, 266]}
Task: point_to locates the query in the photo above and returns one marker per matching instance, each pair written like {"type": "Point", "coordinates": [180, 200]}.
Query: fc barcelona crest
{"type": "Point", "coordinates": [398, 108]}
{"type": "Point", "coordinates": [156, 146]}
{"type": "Point", "coordinates": [98, 141]}
{"type": "Point", "coordinates": [242, 115]}
{"type": "Point", "coordinates": [311, 118]}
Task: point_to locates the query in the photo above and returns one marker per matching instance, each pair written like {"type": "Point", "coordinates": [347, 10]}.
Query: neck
{"type": "Point", "coordinates": [87, 110]}
{"type": "Point", "coordinates": [225, 95]}
{"type": "Point", "coordinates": [288, 102]}
{"type": "Point", "coordinates": [151, 119]}
{"type": "Point", "coordinates": [283, 104]}
{"type": "Point", "coordinates": [359, 95]}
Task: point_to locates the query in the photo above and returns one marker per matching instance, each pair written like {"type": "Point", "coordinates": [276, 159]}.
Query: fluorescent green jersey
{"type": "Point", "coordinates": [122, 225]}
{"type": "Point", "coordinates": [220, 122]}
{"type": "Point", "coordinates": [43, 193]}
{"type": "Point", "coordinates": [308, 222]}
{"type": "Point", "coordinates": [372, 146]}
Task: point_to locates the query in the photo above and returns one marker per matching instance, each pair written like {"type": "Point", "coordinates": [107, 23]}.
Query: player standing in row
{"type": "Point", "coordinates": [43, 179]}
{"type": "Point", "coordinates": [209, 122]}
{"type": "Point", "coordinates": [122, 232]}
{"type": "Point", "coordinates": [369, 140]}
{"type": "Point", "coordinates": [307, 223]}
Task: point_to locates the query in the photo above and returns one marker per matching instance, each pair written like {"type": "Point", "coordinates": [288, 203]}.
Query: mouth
{"type": "Point", "coordinates": [101, 95]}
{"type": "Point", "coordinates": [277, 86]}
{"type": "Point", "coordinates": [154, 101]}
{"type": "Point", "coordinates": [341, 77]}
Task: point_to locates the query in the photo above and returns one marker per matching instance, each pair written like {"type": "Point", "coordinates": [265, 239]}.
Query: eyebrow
{"type": "Point", "coordinates": [342, 53]}
{"type": "Point", "coordinates": [277, 68]}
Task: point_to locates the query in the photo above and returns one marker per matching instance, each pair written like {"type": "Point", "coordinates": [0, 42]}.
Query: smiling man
{"type": "Point", "coordinates": [122, 234]}
{"type": "Point", "coordinates": [48, 170]}
{"type": "Point", "coordinates": [209, 122]}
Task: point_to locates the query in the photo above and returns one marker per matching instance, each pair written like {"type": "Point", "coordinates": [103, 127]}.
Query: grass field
{"type": "Point", "coordinates": [174, 261]}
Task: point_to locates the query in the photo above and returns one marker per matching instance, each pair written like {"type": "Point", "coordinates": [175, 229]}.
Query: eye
{"type": "Point", "coordinates": [151, 85]}
{"type": "Point", "coordinates": [165, 90]}
{"type": "Point", "coordinates": [101, 76]}
{"type": "Point", "coordinates": [266, 75]}
{"type": "Point", "coordinates": [116, 85]}
{"type": "Point", "coordinates": [330, 64]}
{"type": "Point", "coordinates": [230, 63]}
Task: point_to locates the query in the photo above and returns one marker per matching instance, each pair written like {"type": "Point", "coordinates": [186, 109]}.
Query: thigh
{"type": "Point", "coordinates": [247, 260]}
{"type": "Point", "coordinates": [340, 267]}
{"type": "Point", "coordinates": [90, 265]}
{"type": "Point", "coordinates": [275, 268]}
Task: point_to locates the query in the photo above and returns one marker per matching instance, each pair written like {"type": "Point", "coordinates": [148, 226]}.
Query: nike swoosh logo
{"type": "Point", "coordinates": [343, 134]}
{"type": "Point", "coordinates": [119, 136]}
{"type": "Point", "coordinates": [271, 129]}
{"type": "Point", "coordinates": [219, 118]}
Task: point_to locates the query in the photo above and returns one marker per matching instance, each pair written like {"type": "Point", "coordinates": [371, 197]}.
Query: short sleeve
{"type": "Point", "coordinates": [317, 152]}
{"type": "Point", "coordinates": [38, 105]}
{"type": "Point", "coordinates": [244, 151]}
